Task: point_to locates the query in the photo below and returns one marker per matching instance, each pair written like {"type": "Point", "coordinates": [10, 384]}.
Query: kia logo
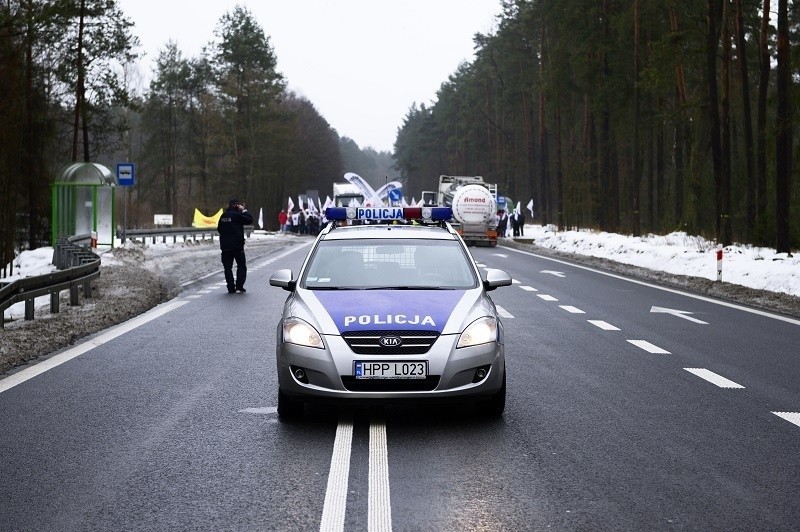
{"type": "Point", "coordinates": [390, 341]}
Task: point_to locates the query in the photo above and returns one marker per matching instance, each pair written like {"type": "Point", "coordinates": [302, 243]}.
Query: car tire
{"type": "Point", "coordinates": [495, 405]}
{"type": "Point", "coordinates": [289, 408]}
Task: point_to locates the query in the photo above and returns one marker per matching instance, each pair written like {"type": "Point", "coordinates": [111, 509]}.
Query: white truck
{"type": "Point", "coordinates": [474, 204]}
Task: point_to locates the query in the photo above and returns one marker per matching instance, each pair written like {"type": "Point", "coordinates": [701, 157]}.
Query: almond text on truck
{"type": "Point", "coordinates": [474, 204]}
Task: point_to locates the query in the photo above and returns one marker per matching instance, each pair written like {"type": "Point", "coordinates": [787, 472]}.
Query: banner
{"type": "Point", "coordinates": [201, 220]}
{"type": "Point", "coordinates": [530, 207]}
{"type": "Point", "coordinates": [366, 190]}
{"type": "Point", "coordinates": [291, 205]}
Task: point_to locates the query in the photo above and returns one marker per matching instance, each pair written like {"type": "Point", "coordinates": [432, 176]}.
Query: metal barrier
{"type": "Point", "coordinates": [77, 267]}
{"type": "Point", "coordinates": [153, 236]}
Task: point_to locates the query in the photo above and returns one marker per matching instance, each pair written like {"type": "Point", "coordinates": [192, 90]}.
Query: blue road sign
{"type": "Point", "coordinates": [126, 174]}
{"type": "Point", "coordinates": [395, 194]}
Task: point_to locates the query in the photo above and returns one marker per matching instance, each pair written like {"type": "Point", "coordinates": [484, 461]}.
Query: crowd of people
{"type": "Point", "coordinates": [301, 222]}
{"type": "Point", "coordinates": [510, 223]}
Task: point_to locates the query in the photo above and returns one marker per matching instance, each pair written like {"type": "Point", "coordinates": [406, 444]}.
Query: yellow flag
{"type": "Point", "coordinates": [201, 220]}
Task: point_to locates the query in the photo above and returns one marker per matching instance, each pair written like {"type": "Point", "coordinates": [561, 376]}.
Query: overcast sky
{"type": "Point", "coordinates": [362, 63]}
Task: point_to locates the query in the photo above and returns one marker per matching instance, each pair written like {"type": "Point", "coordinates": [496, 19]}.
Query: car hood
{"type": "Point", "coordinates": [341, 311]}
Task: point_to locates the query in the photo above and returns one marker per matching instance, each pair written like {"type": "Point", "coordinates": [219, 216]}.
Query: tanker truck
{"type": "Point", "coordinates": [474, 204]}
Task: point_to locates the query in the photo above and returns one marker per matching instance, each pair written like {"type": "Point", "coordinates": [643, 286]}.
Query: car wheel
{"type": "Point", "coordinates": [495, 404]}
{"type": "Point", "coordinates": [289, 408]}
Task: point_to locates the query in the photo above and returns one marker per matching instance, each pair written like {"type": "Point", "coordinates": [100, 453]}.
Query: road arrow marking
{"type": "Point", "coordinates": [679, 313]}
{"type": "Point", "coordinates": [551, 272]}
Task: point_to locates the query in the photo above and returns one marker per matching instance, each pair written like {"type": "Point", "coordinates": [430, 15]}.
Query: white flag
{"type": "Point", "coordinates": [530, 207]}
{"type": "Point", "coordinates": [291, 205]}
{"type": "Point", "coordinates": [518, 208]}
{"type": "Point", "coordinates": [300, 202]}
{"type": "Point", "coordinates": [261, 218]}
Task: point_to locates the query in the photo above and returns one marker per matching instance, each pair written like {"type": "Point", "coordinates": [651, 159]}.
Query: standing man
{"type": "Point", "coordinates": [282, 219]}
{"type": "Point", "coordinates": [231, 242]}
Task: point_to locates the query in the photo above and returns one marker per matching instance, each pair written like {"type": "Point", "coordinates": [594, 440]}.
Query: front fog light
{"type": "Point", "coordinates": [299, 374]}
{"type": "Point", "coordinates": [297, 331]}
{"type": "Point", "coordinates": [481, 331]}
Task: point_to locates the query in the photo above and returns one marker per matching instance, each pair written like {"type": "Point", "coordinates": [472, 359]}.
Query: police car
{"type": "Point", "coordinates": [392, 310]}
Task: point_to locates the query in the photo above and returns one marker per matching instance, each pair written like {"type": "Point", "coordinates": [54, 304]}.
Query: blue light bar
{"type": "Point", "coordinates": [430, 214]}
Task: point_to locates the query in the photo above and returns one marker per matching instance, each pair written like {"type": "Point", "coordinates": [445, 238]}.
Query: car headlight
{"type": "Point", "coordinates": [481, 331]}
{"type": "Point", "coordinates": [297, 331]}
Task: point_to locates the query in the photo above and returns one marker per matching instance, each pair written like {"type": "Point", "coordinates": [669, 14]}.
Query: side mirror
{"type": "Point", "coordinates": [283, 279]}
{"type": "Point", "coordinates": [495, 278]}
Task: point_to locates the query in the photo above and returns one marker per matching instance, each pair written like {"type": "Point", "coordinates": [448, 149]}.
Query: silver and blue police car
{"type": "Point", "coordinates": [390, 311]}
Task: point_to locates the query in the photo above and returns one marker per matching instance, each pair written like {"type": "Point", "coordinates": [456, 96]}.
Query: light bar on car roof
{"type": "Point", "coordinates": [428, 214]}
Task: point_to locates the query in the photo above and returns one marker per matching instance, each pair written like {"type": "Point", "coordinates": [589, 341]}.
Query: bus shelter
{"type": "Point", "coordinates": [83, 203]}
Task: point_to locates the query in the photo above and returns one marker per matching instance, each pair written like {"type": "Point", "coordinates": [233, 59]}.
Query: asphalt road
{"type": "Point", "coordinates": [615, 420]}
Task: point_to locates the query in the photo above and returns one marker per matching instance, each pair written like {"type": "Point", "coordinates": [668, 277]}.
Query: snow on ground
{"type": "Point", "coordinates": [675, 253]}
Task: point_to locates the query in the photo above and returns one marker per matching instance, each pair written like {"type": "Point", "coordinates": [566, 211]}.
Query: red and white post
{"type": "Point", "coordinates": [719, 262]}
{"type": "Point", "coordinates": [93, 240]}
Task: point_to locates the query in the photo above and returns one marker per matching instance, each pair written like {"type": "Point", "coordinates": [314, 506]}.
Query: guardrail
{"type": "Point", "coordinates": [146, 236]}
{"type": "Point", "coordinates": [77, 267]}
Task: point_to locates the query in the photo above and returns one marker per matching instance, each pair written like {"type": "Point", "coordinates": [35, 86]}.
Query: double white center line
{"type": "Point", "coordinates": [379, 511]}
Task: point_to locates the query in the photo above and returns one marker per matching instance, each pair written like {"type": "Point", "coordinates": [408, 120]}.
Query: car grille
{"type": "Point", "coordinates": [391, 385]}
{"type": "Point", "coordinates": [368, 342]}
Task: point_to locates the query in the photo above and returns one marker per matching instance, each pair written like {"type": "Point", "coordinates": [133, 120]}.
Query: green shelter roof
{"type": "Point", "coordinates": [86, 174]}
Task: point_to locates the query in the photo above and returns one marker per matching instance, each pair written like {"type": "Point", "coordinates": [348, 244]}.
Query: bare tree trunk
{"type": "Point", "coordinates": [747, 120]}
{"type": "Point", "coordinates": [761, 118]}
{"type": "Point", "coordinates": [545, 188]}
{"type": "Point", "coordinates": [636, 162]}
{"type": "Point", "coordinates": [783, 129]}
{"type": "Point", "coordinates": [80, 85]}
{"type": "Point", "coordinates": [725, 130]}
{"type": "Point", "coordinates": [712, 42]}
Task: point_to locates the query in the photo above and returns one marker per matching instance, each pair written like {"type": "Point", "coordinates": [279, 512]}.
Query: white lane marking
{"type": "Point", "coordinates": [529, 288]}
{"type": "Point", "coordinates": [571, 309]}
{"type": "Point", "coordinates": [204, 291]}
{"type": "Point", "coordinates": [679, 313]}
{"type": "Point", "coordinates": [603, 325]}
{"type": "Point", "coordinates": [551, 272]}
{"type": "Point", "coordinates": [546, 297]}
{"type": "Point", "coordinates": [514, 281]}
{"type": "Point", "coordinates": [52, 362]}
{"type": "Point", "coordinates": [650, 348]}
{"type": "Point", "coordinates": [260, 410]}
{"type": "Point", "coordinates": [193, 297]}
{"type": "Point", "coordinates": [379, 509]}
{"type": "Point", "coordinates": [713, 378]}
{"type": "Point", "coordinates": [336, 493]}
{"type": "Point", "coordinates": [663, 288]}
{"type": "Point", "coordinates": [791, 417]}
{"type": "Point", "coordinates": [503, 312]}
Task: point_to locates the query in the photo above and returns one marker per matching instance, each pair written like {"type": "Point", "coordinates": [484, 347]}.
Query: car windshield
{"type": "Point", "coordinates": [394, 264]}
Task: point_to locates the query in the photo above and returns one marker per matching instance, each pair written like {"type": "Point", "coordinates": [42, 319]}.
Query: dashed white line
{"type": "Point", "coordinates": [336, 493]}
{"type": "Point", "coordinates": [193, 297]}
{"type": "Point", "coordinates": [571, 309]}
{"type": "Point", "coordinates": [603, 325]}
{"type": "Point", "coordinates": [650, 348]}
{"type": "Point", "coordinates": [528, 288]}
{"type": "Point", "coordinates": [546, 297]}
{"type": "Point", "coordinates": [713, 378]}
{"type": "Point", "coordinates": [379, 509]}
{"type": "Point", "coordinates": [503, 312]}
{"type": "Point", "coordinates": [791, 417]}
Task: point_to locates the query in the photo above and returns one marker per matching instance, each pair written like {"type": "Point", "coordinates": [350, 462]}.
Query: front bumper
{"type": "Point", "coordinates": [328, 373]}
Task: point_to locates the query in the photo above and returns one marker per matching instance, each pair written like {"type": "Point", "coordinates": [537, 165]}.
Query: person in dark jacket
{"type": "Point", "coordinates": [231, 242]}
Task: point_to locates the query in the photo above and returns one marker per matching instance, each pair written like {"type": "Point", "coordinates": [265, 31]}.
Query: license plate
{"type": "Point", "coordinates": [390, 369]}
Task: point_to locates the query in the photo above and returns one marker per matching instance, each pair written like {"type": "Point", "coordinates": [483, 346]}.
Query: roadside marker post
{"type": "Point", "coordinates": [719, 262]}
